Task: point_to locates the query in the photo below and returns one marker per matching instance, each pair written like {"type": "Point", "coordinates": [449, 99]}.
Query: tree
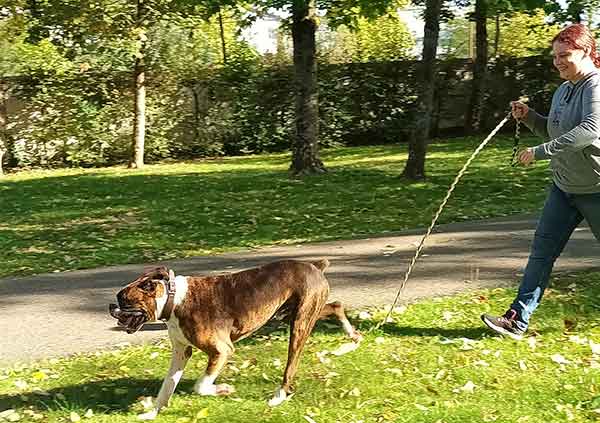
{"type": "Point", "coordinates": [417, 147]}
{"type": "Point", "coordinates": [305, 21]}
{"type": "Point", "coordinates": [473, 116]}
{"type": "Point", "coordinates": [76, 25]}
{"type": "Point", "coordinates": [3, 123]}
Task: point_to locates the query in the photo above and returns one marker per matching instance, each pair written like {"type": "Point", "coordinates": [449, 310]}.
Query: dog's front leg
{"type": "Point", "coordinates": [180, 357]}
{"type": "Point", "coordinates": [218, 353]}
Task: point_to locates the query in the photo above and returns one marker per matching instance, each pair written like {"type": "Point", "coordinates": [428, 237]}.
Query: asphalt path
{"type": "Point", "coordinates": [59, 314]}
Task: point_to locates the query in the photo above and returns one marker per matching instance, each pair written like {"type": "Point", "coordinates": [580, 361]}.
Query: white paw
{"type": "Point", "coordinates": [279, 397]}
{"type": "Point", "coordinates": [150, 415]}
{"type": "Point", "coordinates": [205, 390]}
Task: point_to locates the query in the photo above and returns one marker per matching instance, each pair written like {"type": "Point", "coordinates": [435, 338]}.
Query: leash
{"type": "Point", "coordinates": [517, 137]}
{"type": "Point", "coordinates": [443, 204]}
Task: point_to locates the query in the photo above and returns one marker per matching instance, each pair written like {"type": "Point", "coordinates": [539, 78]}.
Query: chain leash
{"type": "Point", "coordinates": [517, 137]}
{"type": "Point", "coordinates": [439, 212]}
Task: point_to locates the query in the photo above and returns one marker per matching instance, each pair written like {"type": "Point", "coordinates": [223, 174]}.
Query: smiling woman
{"type": "Point", "coordinates": [572, 129]}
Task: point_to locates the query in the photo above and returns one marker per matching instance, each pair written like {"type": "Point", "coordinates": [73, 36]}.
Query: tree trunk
{"type": "Point", "coordinates": [3, 123]}
{"type": "Point", "coordinates": [222, 32]}
{"type": "Point", "coordinates": [473, 116]}
{"type": "Point", "coordinates": [497, 36]}
{"type": "Point", "coordinates": [417, 146]}
{"type": "Point", "coordinates": [305, 152]}
{"type": "Point", "coordinates": [139, 108]}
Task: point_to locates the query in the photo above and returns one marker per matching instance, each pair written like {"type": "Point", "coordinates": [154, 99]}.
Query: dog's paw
{"type": "Point", "coordinates": [224, 389]}
{"type": "Point", "coordinates": [356, 337]}
{"type": "Point", "coordinates": [279, 397]}
{"type": "Point", "coordinates": [150, 415]}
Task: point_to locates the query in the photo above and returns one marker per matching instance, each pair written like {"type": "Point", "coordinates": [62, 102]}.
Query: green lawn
{"type": "Point", "coordinates": [59, 220]}
{"type": "Point", "coordinates": [435, 363]}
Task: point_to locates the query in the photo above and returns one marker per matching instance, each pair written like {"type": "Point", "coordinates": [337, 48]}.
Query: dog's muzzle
{"type": "Point", "coordinates": [131, 319]}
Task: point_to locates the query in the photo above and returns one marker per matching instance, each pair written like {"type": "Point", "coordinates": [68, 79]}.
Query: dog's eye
{"type": "Point", "coordinates": [148, 286]}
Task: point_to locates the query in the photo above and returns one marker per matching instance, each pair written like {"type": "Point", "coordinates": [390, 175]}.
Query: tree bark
{"type": "Point", "coordinates": [139, 109]}
{"type": "Point", "coordinates": [497, 36]}
{"type": "Point", "coordinates": [473, 115]}
{"type": "Point", "coordinates": [3, 123]}
{"type": "Point", "coordinates": [305, 152]}
{"type": "Point", "coordinates": [222, 32]}
{"type": "Point", "coordinates": [417, 146]}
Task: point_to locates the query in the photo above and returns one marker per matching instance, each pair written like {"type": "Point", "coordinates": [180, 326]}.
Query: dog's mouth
{"type": "Point", "coordinates": [131, 319]}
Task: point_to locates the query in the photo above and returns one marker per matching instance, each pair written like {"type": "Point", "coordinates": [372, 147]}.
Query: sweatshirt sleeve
{"type": "Point", "coordinates": [537, 123]}
{"type": "Point", "coordinates": [581, 136]}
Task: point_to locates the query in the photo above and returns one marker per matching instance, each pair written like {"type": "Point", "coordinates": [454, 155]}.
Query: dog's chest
{"type": "Point", "coordinates": [175, 332]}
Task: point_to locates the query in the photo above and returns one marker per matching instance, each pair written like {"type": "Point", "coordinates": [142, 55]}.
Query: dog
{"type": "Point", "coordinates": [212, 312]}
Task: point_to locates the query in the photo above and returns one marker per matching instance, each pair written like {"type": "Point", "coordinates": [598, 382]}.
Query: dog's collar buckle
{"type": "Point", "coordinates": [170, 304]}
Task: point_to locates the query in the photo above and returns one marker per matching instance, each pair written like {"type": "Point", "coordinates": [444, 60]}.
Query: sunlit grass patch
{"type": "Point", "coordinates": [83, 218]}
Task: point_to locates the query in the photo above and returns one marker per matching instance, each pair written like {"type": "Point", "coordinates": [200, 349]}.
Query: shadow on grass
{"type": "Point", "coordinates": [110, 395]}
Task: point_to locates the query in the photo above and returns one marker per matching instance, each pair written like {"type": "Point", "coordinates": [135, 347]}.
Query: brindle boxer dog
{"type": "Point", "coordinates": [212, 312]}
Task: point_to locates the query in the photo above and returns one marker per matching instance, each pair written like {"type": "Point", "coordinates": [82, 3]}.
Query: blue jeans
{"type": "Point", "coordinates": [560, 216]}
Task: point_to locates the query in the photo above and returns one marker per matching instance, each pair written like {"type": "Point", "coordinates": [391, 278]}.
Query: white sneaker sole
{"type": "Point", "coordinates": [501, 330]}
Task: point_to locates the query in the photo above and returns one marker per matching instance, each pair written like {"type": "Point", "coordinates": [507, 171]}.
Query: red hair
{"type": "Point", "coordinates": [579, 37]}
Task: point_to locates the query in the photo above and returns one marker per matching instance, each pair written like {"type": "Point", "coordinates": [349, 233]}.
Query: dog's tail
{"type": "Point", "coordinates": [321, 264]}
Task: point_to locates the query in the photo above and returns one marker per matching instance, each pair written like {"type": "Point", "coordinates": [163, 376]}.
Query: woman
{"type": "Point", "coordinates": [573, 129]}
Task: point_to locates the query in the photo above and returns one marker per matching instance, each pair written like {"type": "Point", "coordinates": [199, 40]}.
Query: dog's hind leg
{"type": "Point", "coordinates": [337, 309]}
{"type": "Point", "coordinates": [218, 352]}
{"type": "Point", "coordinates": [180, 357]}
{"type": "Point", "coordinates": [302, 321]}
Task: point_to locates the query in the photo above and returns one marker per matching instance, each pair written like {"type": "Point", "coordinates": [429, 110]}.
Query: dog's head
{"type": "Point", "coordinates": [138, 301]}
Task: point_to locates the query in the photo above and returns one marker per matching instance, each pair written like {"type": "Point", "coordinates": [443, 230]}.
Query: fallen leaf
{"type": "Point", "coordinates": [147, 403]}
{"type": "Point", "coordinates": [21, 384]}
{"type": "Point", "coordinates": [74, 417]}
{"type": "Point", "coordinates": [522, 365]}
{"type": "Point", "coordinates": [421, 407]}
{"type": "Point", "coordinates": [89, 414]}
{"type": "Point", "coordinates": [469, 387]}
{"type": "Point", "coordinates": [4, 414]}
{"type": "Point", "coordinates": [202, 414]}
{"type": "Point", "coordinates": [557, 358]}
{"type": "Point", "coordinates": [595, 347]}
{"type": "Point", "coordinates": [345, 348]}
{"type": "Point", "coordinates": [364, 315]}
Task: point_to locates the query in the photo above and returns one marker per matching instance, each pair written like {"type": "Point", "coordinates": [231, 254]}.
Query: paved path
{"type": "Point", "coordinates": [64, 313]}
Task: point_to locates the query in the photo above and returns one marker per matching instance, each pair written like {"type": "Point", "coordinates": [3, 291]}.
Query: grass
{"type": "Point", "coordinates": [56, 220]}
{"type": "Point", "coordinates": [435, 363]}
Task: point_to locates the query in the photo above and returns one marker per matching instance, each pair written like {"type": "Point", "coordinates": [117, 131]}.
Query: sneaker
{"type": "Point", "coordinates": [505, 325]}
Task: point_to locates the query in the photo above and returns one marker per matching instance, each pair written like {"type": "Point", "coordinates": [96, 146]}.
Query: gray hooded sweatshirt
{"type": "Point", "coordinates": [573, 127]}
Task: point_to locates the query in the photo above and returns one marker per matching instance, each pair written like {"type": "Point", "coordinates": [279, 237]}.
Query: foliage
{"type": "Point", "coordinates": [526, 34]}
{"type": "Point", "coordinates": [72, 219]}
{"type": "Point", "coordinates": [385, 38]}
{"type": "Point", "coordinates": [435, 362]}
{"type": "Point", "coordinates": [521, 34]}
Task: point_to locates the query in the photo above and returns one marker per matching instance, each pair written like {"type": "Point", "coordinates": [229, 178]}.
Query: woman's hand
{"type": "Point", "coordinates": [519, 110]}
{"type": "Point", "coordinates": [526, 157]}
